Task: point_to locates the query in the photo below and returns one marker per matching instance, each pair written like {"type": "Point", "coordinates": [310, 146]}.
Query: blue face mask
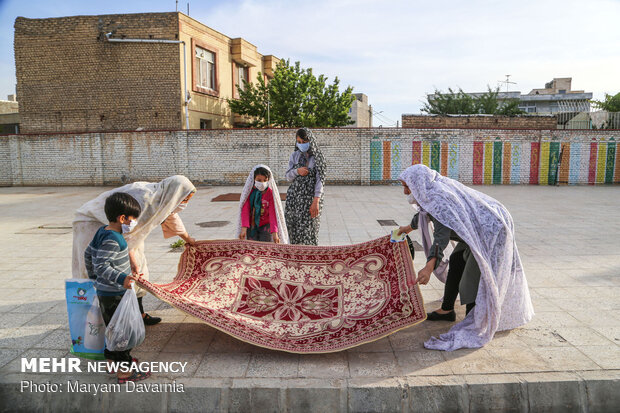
{"type": "Point", "coordinates": [303, 146]}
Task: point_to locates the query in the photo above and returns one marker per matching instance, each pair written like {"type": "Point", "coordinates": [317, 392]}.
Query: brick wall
{"type": "Point", "coordinates": [70, 79]}
{"type": "Point", "coordinates": [354, 156]}
{"type": "Point", "coordinates": [479, 122]}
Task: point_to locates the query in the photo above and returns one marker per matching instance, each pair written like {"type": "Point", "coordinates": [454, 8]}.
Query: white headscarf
{"type": "Point", "coordinates": [247, 189]}
{"type": "Point", "coordinates": [158, 200]}
{"type": "Point", "coordinates": [503, 301]}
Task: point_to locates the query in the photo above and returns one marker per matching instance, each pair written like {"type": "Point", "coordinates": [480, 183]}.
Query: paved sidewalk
{"type": "Point", "coordinates": [567, 358]}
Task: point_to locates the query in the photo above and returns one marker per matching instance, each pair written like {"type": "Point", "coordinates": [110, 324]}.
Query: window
{"type": "Point", "coordinates": [241, 75]}
{"type": "Point", "coordinates": [562, 91]}
{"type": "Point", "coordinates": [528, 107]}
{"type": "Point", "coordinates": [205, 68]}
{"type": "Point", "coordinates": [206, 124]}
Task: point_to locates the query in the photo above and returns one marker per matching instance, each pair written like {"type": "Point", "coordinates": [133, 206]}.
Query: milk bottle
{"type": "Point", "coordinates": [95, 328]}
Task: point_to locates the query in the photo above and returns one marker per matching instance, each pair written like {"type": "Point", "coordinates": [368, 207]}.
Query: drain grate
{"type": "Point", "coordinates": [387, 222]}
{"type": "Point", "coordinates": [212, 224]}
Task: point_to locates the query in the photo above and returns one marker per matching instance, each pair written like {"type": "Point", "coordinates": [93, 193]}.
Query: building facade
{"type": "Point", "coordinates": [144, 71]}
{"type": "Point", "coordinates": [9, 116]}
{"type": "Point", "coordinates": [360, 112]}
{"type": "Point", "coordinates": [555, 97]}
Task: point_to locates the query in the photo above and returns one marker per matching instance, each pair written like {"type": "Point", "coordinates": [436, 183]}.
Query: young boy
{"type": "Point", "coordinates": [107, 262]}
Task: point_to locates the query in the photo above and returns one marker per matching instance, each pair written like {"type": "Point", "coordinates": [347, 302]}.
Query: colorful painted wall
{"type": "Point", "coordinates": [493, 160]}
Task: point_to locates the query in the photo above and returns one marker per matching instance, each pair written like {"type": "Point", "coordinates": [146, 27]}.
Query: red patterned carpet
{"type": "Point", "coordinates": [300, 299]}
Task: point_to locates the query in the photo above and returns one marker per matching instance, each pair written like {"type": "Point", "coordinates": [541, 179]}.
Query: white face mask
{"type": "Point", "coordinates": [180, 208]}
{"type": "Point", "coordinates": [411, 199]}
{"type": "Point", "coordinates": [128, 228]}
{"type": "Point", "coordinates": [261, 186]}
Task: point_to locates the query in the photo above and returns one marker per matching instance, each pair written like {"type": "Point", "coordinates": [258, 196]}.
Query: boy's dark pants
{"type": "Point", "coordinates": [108, 304]}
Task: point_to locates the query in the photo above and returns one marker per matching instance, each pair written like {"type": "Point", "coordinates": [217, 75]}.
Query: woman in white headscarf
{"type": "Point", "coordinates": [259, 206]}
{"type": "Point", "coordinates": [485, 228]}
{"type": "Point", "coordinates": [161, 202]}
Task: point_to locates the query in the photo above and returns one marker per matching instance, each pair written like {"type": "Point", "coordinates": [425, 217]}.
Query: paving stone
{"type": "Point", "coordinates": [575, 334]}
{"type": "Point", "coordinates": [273, 365]}
{"type": "Point", "coordinates": [373, 365]}
{"type": "Point", "coordinates": [223, 365]}
{"type": "Point", "coordinates": [332, 365]}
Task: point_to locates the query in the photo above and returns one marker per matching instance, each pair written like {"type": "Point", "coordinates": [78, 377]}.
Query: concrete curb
{"type": "Point", "coordinates": [589, 391]}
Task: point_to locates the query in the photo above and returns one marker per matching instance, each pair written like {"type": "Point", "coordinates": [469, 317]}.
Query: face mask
{"type": "Point", "coordinates": [180, 208]}
{"type": "Point", "coordinates": [261, 186]}
{"type": "Point", "coordinates": [411, 199]}
{"type": "Point", "coordinates": [128, 228]}
{"type": "Point", "coordinates": [303, 146]}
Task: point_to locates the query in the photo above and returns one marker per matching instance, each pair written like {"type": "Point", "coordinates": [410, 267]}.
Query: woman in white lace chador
{"type": "Point", "coordinates": [486, 228]}
{"type": "Point", "coordinates": [161, 202]}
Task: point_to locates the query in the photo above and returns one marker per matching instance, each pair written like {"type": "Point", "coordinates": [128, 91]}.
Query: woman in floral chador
{"type": "Point", "coordinates": [488, 259]}
{"type": "Point", "coordinates": [304, 198]}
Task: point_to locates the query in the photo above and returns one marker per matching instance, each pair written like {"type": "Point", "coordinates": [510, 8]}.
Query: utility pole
{"type": "Point", "coordinates": [268, 105]}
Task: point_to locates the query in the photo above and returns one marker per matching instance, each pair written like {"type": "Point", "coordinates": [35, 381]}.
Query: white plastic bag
{"type": "Point", "coordinates": [126, 328]}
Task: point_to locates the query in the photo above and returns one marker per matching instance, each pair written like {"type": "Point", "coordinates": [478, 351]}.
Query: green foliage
{"type": "Point", "coordinates": [296, 98]}
{"type": "Point", "coordinates": [177, 244]}
{"type": "Point", "coordinates": [451, 103]}
{"type": "Point", "coordinates": [460, 103]}
{"type": "Point", "coordinates": [609, 104]}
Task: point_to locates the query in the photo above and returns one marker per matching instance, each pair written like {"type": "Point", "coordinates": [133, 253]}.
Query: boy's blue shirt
{"type": "Point", "coordinates": [107, 261]}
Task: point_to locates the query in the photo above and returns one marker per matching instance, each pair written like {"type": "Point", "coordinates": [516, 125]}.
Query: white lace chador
{"type": "Point", "coordinates": [503, 301]}
{"type": "Point", "coordinates": [247, 189]}
{"type": "Point", "coordinates": [158, 200]}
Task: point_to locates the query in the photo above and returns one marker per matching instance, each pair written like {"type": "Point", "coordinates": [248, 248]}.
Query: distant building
{"type": "Point", "coordinates": [361, 112]}
{"type": "Point", "coordinates": [130, 71]}
{"type": "Point", "coordinates": [9, 116]}
{"type": "Point", "coordinates": [557, 96]}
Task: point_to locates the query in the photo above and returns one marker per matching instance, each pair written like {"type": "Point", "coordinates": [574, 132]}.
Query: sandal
{"type": "Point", "coordinates": [135, 376]}
{"type": "Point", "coordinates": [133, 360]}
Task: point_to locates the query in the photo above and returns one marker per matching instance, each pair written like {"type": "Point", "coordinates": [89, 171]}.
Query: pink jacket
{"type": "Point", "coordinates": [267, 213]}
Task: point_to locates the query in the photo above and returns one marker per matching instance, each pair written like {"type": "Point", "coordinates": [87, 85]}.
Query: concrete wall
{"type": "Point", "coordinates": [354, 156]}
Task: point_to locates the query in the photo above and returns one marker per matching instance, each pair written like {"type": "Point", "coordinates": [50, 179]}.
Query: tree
{"type": "Point", "coordinates": [294, 97]}
{"type": "Point", "coordinates": [609, 104]}
{"type": "Point", "coordinates": [461, 103]}
{"type": "Point", "coordinates": [451, 103]}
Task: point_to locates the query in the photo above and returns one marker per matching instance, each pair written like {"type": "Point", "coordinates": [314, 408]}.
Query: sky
{"type": "Point", "coordinates": [394, 51]}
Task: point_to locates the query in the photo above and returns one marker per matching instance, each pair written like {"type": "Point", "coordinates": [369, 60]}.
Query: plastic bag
{"type": "Point", "coordinates": [126, 328]}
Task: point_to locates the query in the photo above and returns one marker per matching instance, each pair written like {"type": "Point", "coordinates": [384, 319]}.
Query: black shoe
{"type": "Point", "coordinates": [150, 321]}
{"type": "Point", "coordinates": [435, 316]}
